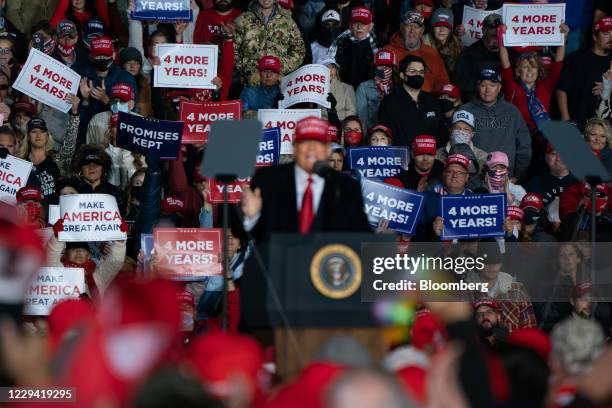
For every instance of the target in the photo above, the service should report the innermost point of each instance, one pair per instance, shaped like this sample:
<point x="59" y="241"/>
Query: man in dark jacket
<point x="484" y="53"/>
<point x="422" y="168"/>
<point x="97" y="84"/>
<point x="500" y="127"/>
<point x="408" y="110"/>
<point x="453" y="182"/>
<point x="292" y="198"/>
<point x="68" y="51"/>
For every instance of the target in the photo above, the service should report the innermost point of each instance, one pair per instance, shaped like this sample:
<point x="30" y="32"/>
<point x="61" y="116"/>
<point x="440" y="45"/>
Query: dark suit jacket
<point x="340" y="208"/>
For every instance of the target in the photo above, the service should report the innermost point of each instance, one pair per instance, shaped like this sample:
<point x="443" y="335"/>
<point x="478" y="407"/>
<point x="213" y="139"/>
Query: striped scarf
<point x="333" y="48"/>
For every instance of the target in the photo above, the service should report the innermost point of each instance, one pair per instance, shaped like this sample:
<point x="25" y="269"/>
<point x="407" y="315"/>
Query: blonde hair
<point x="25" y="149"/>
<point x="591" y="123"/>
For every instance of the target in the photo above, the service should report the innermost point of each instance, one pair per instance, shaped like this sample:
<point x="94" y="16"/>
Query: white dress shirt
<point x="301" y="182"/>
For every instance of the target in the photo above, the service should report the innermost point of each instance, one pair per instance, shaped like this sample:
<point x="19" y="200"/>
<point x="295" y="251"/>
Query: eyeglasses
<point x="415" y="72"/>
<point x="6" y="51"/>
<point x="455" y="173"/>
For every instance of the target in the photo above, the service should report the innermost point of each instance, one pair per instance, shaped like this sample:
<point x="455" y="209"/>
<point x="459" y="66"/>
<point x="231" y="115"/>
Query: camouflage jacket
<point x="255" y="38"/>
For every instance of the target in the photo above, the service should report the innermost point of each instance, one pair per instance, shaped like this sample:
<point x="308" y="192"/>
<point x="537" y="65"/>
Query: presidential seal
<point x="335" y="271"/>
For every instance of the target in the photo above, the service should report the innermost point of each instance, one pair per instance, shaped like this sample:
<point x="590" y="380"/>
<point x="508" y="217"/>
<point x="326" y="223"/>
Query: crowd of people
<point x="401" y="75"/>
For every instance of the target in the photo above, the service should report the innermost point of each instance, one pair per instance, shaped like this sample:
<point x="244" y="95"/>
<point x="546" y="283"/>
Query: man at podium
<point x="301" y="197"/>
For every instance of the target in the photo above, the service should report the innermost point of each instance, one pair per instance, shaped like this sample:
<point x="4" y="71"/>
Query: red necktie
<point x="307" y="211"/>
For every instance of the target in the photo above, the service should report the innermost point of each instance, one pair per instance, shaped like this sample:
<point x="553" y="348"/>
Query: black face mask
<point x="222" y="7"/>
<point x="414" y="81"/>
<point x="136" y="192"/>
<point x="327" y="35"/>
<point x="102" y="64"/>
<point x="446" y="105"/>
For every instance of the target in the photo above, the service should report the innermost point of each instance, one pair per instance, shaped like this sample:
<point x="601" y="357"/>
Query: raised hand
<point x="251" y="202"/>
<point x="74" y="101"/>
<point x="85" y="87"/>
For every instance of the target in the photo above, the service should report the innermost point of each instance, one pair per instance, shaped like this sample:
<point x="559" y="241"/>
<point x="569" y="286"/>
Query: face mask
<point x="120" y="107"/>
<point x="136" y="192"/>
<point x="414" y="81"/>
<point x="446" y="105"/>
<point x="222" y="7"/>
<point x="326" y="36"/>
<point x="460" y="136"/>
<point x="49" y="46"/>
<point x="66" y="50"/>
<point x="497" y="179"/>
<point x="352" y="138"/>
<point x="102" y="64"/>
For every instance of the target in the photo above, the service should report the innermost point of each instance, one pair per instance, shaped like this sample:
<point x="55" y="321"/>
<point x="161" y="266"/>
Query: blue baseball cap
<point x="489" y="74"/>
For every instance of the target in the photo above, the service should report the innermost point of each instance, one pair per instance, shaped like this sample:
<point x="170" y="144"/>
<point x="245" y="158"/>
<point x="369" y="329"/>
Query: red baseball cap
<point x="287" y="4"/>
<point x="532" y="338"/>
<point x="24" y="106"/>
<point x="122" y="91"/>
<point x="485" y="302"/>
<point x="450" y="90"/>
<point x="582" y="289"/>
<point x="361" y="14"/>
<point x="332" y="132"/>
<point x="605" y="24"/>
<point x="428" y="331"/>
<point x="457" y="159"/>
<point x="218" y="358"/>
<point x="172" y="205"/>
<point x="269" y="62"/>
<point x="67" y="315"/>
<point x="102" y="46"/>
<point x="532" y="200"/>
<point x="425" y="2"/>
<point x="312" y="128"/>
<point x="29" y="193"/>
<point x="515" y="213"/>
<point x="424" y="144"/>
<point x="382" y="128"/>
<point x="549" y="148"/>
<point x="384" y="57"/>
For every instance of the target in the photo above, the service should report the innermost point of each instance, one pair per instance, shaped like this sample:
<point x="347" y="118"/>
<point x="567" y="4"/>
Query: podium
<point x="310" y="291"/>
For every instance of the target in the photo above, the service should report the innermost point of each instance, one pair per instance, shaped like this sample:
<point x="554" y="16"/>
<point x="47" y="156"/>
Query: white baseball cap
<point x="463" y="116"/>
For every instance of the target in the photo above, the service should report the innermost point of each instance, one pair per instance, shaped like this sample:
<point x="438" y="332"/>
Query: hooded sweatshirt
<point x="501" y="128"/>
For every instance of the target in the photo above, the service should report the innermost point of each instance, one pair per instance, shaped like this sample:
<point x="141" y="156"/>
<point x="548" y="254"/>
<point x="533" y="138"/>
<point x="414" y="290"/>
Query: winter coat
<point x="255" y="38"/>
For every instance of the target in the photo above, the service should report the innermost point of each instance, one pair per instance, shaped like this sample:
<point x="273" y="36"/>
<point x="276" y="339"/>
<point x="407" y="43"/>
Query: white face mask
<point x="460" y="136"/>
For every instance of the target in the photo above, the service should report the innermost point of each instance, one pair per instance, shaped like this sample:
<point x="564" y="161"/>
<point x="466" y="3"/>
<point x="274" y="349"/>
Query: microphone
<point x="322" y="168"/>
